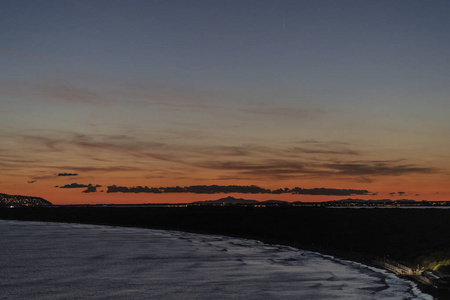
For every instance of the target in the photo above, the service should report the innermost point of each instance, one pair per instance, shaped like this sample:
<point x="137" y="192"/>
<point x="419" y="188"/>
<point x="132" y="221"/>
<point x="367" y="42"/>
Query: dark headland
<point x="418" y="239"/>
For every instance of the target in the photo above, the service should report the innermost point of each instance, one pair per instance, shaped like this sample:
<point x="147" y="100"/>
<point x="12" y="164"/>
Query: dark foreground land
<point x="411" y="236"/>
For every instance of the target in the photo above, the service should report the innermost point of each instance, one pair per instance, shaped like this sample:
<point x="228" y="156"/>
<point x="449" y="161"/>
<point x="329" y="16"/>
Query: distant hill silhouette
<point x="239" y="201"/>
<point x="227" y="200"/>
<point x="21" y="201"/>
<point x="342" y="202"/>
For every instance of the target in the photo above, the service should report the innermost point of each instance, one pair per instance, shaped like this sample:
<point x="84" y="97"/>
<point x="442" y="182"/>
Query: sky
<point x="341" y="95"/>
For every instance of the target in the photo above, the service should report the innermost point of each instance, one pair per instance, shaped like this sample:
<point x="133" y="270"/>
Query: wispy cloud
<point x="292" y="168"/>
<point x="338" y="151"/>
<point x="378" y="169"/>
<point x="310" y="159"/>
<point x="172" y="98"/>
<point x="285" y="111"/>
<point x="72" y="94"/>
<point x="166" y="102"/>
<point x="22" y="54"/>
<point x="267" y="168"/>
<point x="101" y="169"/>
<point x="324" y="147"/>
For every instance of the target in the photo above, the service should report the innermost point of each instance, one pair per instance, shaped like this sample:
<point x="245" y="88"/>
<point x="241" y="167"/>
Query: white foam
<point x="76" y="261"/>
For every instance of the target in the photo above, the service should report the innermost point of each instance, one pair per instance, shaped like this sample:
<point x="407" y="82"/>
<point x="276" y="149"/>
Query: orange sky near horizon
<point x="384" y="190"/>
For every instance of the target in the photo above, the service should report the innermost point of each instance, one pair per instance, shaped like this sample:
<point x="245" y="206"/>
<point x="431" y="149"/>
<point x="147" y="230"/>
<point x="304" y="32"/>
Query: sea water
<point x="75" y="261"/>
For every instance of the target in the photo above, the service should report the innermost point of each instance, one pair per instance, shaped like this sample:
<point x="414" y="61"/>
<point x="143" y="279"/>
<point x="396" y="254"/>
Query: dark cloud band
<point x="252" y="189"/>
<point x="89" y="188"/>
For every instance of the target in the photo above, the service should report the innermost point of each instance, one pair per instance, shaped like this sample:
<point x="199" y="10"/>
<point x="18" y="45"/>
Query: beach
<point x="356" y="235"/>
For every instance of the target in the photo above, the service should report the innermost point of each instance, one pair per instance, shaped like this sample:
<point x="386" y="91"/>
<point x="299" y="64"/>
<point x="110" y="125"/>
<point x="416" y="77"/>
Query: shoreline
<point x="230" y="223"/>
<point x="335" y="255"/>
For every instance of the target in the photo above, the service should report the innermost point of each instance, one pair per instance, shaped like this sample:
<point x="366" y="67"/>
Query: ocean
<point x="40" y="260"/>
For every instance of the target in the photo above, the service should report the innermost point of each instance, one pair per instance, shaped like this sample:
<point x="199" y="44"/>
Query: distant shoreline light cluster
<point x="22" y="201"/>
<point x="18" y="201"/>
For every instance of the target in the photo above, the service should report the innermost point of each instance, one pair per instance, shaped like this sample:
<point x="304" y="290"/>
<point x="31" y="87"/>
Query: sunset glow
<point x="277" y="94"/>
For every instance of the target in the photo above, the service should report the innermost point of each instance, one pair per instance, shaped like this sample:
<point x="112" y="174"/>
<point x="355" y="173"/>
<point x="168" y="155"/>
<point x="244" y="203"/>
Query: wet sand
<point x="358" y="235"/>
